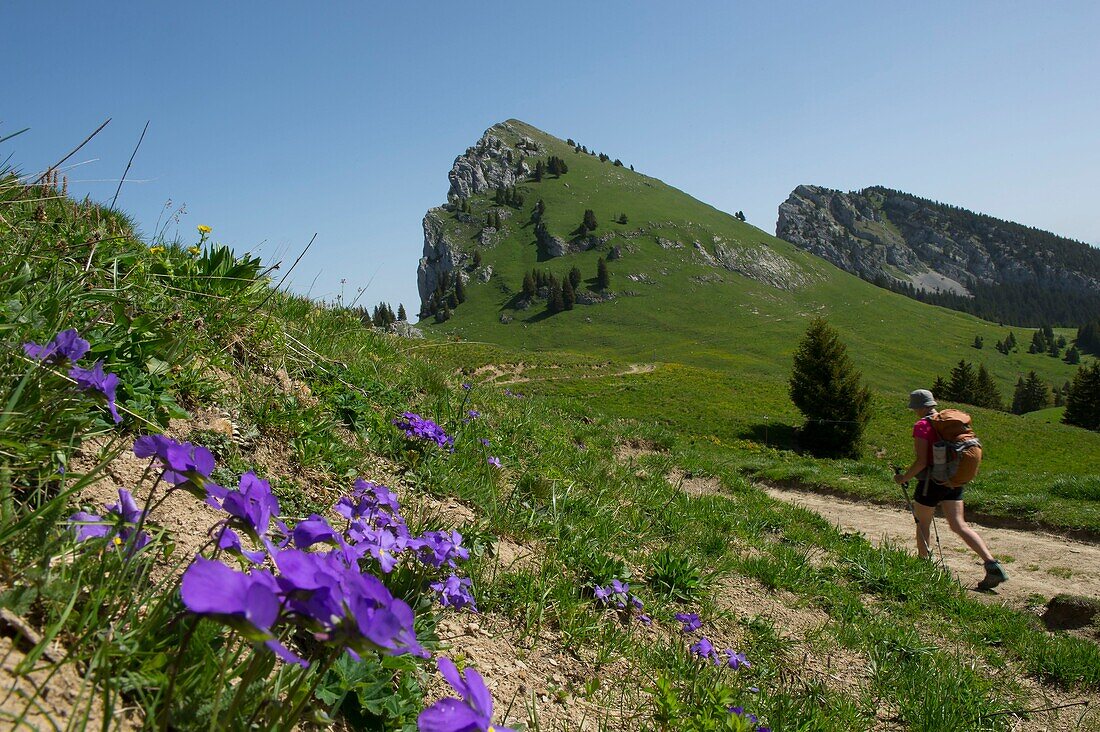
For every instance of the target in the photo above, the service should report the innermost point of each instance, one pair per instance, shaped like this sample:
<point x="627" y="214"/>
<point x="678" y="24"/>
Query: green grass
<point x="561" y="490"/>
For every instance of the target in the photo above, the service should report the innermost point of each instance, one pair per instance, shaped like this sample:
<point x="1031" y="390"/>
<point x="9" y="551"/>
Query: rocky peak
<point x="496" y="161"/>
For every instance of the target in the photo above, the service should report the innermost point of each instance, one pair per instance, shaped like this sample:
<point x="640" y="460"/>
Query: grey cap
<point x="921" y="398"/>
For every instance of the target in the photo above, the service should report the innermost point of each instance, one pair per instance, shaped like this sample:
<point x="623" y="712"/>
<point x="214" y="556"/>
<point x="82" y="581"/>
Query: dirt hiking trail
<point x="1037" y="563"/>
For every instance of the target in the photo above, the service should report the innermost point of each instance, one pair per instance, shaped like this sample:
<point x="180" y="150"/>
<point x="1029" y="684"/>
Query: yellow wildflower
<point x="156" y="250"/>
<point x="204" y="229"/>
<point x="194" y="250"/>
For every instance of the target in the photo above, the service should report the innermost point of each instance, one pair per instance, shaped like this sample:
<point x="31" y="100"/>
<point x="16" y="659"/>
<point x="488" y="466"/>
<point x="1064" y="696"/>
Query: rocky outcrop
<point x="492" y="163"/>
<point x="849" y="231"/>
<point x="893" y="238"/>
<point x="760" y="263"/>
<point x="440" y="256"/>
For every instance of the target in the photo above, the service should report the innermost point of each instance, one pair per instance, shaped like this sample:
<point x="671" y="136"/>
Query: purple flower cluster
<point x="618" y="595"/>
<point x="471" y="712"/>
<point x="325" y="592"/>
<point x="705" y="650"/>
<point x="65" y="346"/>
<point x="421" y="428"/>
<point x="69" y="346"/>
<point x="185" y="465"/>
<point x="119" y="525"/>
<point x="455" y="592"/>
<point x="689" y="621"/>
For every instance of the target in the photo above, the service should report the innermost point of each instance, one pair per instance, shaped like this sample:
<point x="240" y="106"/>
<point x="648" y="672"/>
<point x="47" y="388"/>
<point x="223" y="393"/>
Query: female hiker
<point x="930" y="493"/>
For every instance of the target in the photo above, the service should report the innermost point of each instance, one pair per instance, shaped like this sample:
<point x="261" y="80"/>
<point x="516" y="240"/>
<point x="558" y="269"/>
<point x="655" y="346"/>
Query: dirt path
<point x="505" y="375"/>
<point x="1037" y="563"/>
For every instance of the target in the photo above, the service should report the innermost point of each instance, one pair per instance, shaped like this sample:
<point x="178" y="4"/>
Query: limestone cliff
<point x="993" y="268"/>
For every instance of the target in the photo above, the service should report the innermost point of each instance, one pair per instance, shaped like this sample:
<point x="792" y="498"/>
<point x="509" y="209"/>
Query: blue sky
<point x="272" y="121"/>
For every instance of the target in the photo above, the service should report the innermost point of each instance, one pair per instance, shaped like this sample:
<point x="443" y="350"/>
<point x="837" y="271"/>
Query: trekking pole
<point x="905" y="493"/>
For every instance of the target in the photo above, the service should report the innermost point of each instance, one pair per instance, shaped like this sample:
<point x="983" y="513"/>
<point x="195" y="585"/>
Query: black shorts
<point x="935" y="493"/>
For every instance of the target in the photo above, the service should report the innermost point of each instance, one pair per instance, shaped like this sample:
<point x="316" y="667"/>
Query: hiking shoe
<point x="994" y="575"/>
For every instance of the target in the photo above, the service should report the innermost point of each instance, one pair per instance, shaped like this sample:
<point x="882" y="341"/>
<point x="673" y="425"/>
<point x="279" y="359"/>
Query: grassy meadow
<point x="122" y="614"/>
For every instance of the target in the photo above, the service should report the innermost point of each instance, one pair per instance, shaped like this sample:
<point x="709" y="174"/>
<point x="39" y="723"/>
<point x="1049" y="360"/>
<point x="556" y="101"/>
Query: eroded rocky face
<point x="496" y="161"/>
<point x="880" y="233"/>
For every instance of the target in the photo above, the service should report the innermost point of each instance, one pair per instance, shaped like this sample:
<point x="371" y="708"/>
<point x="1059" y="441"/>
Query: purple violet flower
<point x="690" y="621"/>
<point x="441" y="547"/>
<point x="247" y="602"/>
<point x="94" y="379"/>
<point x="126" y="515"/>
<point x="704" y="649"/>
<point x="344" y="606"/>
<point x="182" y="461"/>
<point x="471" y="712"/>
<point x="422" y="428"/>
<point x="455" y="592"/>
<point x="230" y="541"/>
<point x="252" y="505"/>
<point x="495" y="462"/>
<point x="66" y="345"/>
<point x="88" y="526"/>
<point x="313" y="530"/>
<point x="483" y="441"/>
<point x="736" y="660"/>
<point x="466" y="386"/>
<point x="602" y="593"/>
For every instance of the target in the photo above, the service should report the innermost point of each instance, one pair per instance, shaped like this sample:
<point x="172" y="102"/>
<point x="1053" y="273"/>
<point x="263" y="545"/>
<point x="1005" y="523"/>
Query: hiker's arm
<point x="920" y="450"/>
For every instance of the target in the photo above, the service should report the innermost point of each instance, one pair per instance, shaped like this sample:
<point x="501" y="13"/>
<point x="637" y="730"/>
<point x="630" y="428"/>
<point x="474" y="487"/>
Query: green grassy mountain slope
<point x="720" y="338"/>
<point x="673" y="304"/>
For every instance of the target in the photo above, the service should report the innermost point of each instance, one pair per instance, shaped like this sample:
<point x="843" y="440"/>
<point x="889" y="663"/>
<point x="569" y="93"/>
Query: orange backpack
<point x="958" y="452"/>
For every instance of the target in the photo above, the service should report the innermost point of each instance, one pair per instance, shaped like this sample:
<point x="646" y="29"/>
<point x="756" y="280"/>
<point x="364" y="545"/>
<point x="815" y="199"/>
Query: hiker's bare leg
<point x="923" y="515"/>
<point x="953" y="512"/>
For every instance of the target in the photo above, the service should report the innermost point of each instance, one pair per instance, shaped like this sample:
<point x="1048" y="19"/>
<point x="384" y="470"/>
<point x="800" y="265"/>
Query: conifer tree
<point x="590" y="220"/>
<point x="1032" y="393"/>
<point x="540" y="209"/>
<point x="528" y="286"/>
<point x="575" y="277"/>
<point x="623" y="219"/>
<point x="979" y="342"/>
<point x="460" y="290"/>
<point x="452" y="301"/>
<point x="939" y="388"/>
<point x="1010" y="341"/>
<point x="554" y="300"/>
<point x="477" y="258"/>
<point x="1073" y="356"/>
<point x="986" y="392"/>
<point x="828" y="390"/>
<point x="540" y="170"/>
<point x="1083" y="399"/>
<point x="962" y="386"/>
<point x="568" y="296"/>
<point x="603" y="277"/>
<point x="401" y="314"/>
<point x="1053" y="350"/>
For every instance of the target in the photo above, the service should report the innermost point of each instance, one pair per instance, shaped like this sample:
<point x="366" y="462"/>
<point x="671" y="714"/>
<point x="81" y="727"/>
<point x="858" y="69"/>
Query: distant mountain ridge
<point x="996" y="269"/>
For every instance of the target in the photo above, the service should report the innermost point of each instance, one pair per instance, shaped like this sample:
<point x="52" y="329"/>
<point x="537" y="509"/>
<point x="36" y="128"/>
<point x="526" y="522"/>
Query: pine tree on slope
<point x="828" y="390"/>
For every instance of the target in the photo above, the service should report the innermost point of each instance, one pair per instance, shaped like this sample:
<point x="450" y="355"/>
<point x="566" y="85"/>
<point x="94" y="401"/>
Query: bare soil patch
<point x="529" y="678"/>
